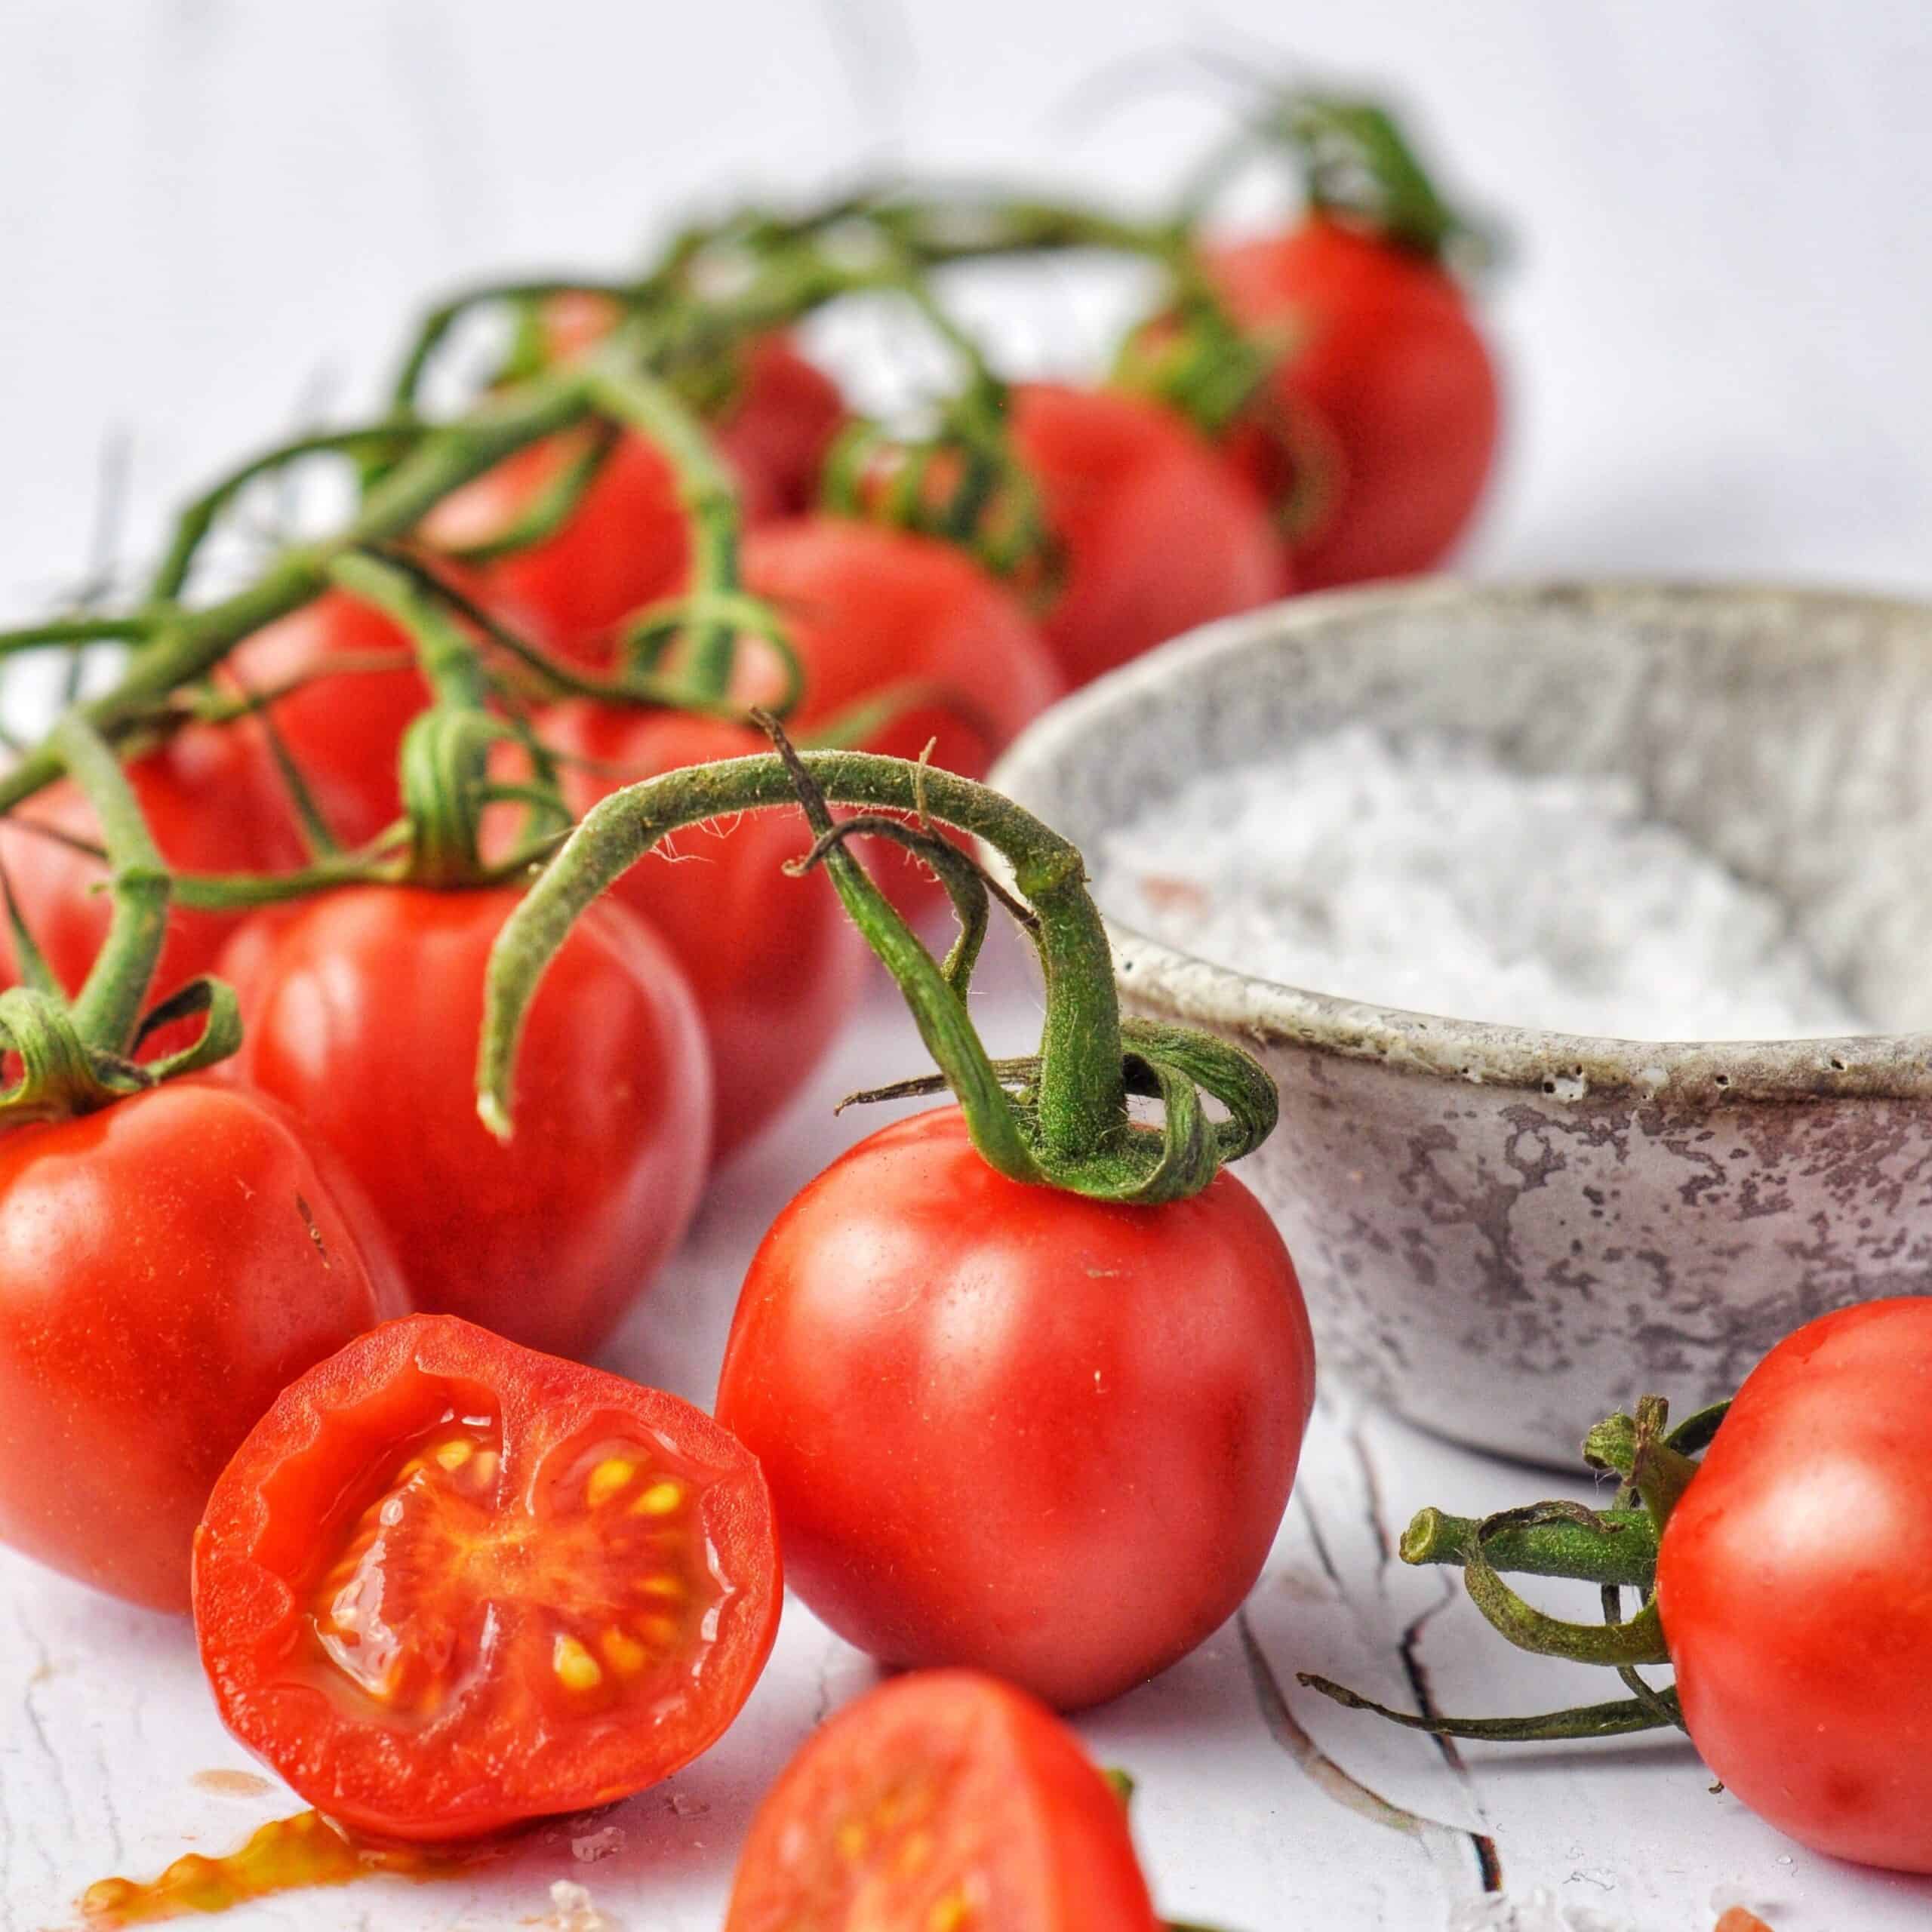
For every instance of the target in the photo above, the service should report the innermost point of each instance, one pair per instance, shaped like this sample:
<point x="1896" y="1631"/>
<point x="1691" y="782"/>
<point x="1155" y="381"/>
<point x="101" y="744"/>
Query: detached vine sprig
<point x="1068" y="1125"/>
<point x="1614" y="1549"/>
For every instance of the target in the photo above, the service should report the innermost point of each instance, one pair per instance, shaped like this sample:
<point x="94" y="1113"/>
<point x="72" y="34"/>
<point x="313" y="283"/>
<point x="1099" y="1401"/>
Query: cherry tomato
<point x="1387" y="361"/>
<point x="1792" y="1583"/>
<point x="166" y="1266"/>
<point x="948" y="1800"/>
<point x="627" y="544"/>
<point x="1013" y="1429"/>
<point x="774" y="963"/>
<point x="879" y="615"/>
<point x="870" y="609"/>
<point x="362" y="1011"/>
<point x="212" y="800"/>
<point x="1160" y="533"/>
<point x="343" y="729"/>
<point x="780" y="426"/>
<point x="448" y="1584"/>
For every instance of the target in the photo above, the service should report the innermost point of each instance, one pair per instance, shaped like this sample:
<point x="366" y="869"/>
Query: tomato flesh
<point x="450" y="1584"/>
<point x="944" y="1802"/>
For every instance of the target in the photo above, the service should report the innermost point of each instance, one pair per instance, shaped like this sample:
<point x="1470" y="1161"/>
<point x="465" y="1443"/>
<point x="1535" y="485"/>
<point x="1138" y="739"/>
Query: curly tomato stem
<point x="1071" y="1128"/>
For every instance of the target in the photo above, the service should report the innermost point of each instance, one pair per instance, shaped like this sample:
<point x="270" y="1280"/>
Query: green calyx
<point x="77" y="1055"/>
<point x="1614" y="1549"/>
<point x="1060" y="1118"/>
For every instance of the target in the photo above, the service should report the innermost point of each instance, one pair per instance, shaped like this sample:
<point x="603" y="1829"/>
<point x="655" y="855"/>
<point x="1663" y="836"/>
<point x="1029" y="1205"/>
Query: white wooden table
<point x="1254" y="1810"/>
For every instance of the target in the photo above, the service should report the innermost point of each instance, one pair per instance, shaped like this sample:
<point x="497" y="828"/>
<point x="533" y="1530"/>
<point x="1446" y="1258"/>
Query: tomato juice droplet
<point x="284" y="1855"/>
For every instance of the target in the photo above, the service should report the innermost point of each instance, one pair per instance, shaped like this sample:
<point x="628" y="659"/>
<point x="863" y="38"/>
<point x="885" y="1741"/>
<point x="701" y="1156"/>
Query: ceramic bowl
<point x="1506" y="1233"/>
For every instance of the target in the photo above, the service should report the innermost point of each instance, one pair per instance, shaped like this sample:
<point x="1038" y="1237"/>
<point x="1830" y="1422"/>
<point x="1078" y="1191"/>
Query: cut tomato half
<point x="946" y="1801"/>
<point x="449" y="1584"/>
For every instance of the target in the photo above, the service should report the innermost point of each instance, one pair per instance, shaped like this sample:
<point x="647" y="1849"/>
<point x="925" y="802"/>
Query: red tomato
<point x="344" y="730"/>
<point x="1792" y="1585"/>
<point x="943" y="1800"/>
<point x="214" y="804"/>
<point x="871" y="610"/>
<point x="780" y="425"/>
<point x="1388" y="360"/>
<point x="448" y="1584"/>
<point x="628" y="544"/>
<point x="166" y="1266"/>
<point x="1160" y="533"/>
<point x="774" y="962"/>
<point x="362" y="1011"/>
<point x="1013" y="1429"/>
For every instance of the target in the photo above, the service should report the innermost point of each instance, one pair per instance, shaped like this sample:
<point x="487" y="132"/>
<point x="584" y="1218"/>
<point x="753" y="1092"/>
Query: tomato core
<point x="598" y="1586"/>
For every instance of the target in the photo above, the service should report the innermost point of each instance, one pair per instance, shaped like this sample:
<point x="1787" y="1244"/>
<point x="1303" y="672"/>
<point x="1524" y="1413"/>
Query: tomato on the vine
<point x="1013" y="1428"/>
<point x="874" y="613"/>
<point x="1386" y="358"/>
<point x="1792" y="1584"/>
<point x="166" y="1264"/>
<point x="448" y="1584"/>
<point x="343" y="727"/>
<point x="945" y="1799"/>
<point x="774" y="962"/>
<point x="214" y="803"/>
<point x="627" y="544"/>
<point x="1160" y="534"/>
<point x="362" y="1011"/>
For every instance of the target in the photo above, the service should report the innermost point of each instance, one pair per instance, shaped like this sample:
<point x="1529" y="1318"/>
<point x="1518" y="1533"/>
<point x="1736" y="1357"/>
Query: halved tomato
<point x="448" y="1584"/>
<point x="945" y="1802"/>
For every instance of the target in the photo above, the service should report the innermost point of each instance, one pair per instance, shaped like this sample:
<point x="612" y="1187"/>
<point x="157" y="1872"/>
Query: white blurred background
<point x="213" y="212"/>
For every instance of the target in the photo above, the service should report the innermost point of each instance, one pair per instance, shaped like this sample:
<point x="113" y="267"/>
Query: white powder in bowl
<point x="1416" y="872"/>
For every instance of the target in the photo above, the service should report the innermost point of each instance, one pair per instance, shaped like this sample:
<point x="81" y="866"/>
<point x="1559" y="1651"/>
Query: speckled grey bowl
<point x="1505" y="1233"/>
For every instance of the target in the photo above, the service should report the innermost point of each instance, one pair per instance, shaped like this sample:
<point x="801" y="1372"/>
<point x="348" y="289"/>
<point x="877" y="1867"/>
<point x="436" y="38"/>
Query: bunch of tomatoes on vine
<point x="365" y="1056"/>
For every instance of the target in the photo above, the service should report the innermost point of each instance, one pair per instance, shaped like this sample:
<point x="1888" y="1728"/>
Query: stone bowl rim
<point x="1567" y="1067"/>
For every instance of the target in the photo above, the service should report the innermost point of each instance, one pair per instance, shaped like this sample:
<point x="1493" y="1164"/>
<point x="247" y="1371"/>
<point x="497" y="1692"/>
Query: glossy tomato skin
<point x="476" y="1591"/>
<point x="942" y="1789"/>
<point x="1388" y="360"/>
<point x="212" y="801"/>
<point x="774" y="961"/>
<point x="1791" y="1582"/>
<point x="361" y="1012"/>
<point x="344" y="730"/>
<point x="627" y="544"/>
<point x="870" y="608"/>
<point x="1160" y="533"/>
<point x="166" y="1266"/>
<point x="1012" y="1429"/>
